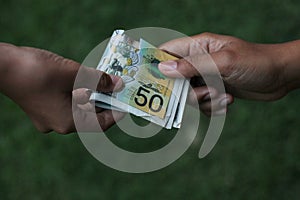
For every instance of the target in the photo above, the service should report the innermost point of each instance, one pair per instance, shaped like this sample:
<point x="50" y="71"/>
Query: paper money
<point x="147" y="92"/>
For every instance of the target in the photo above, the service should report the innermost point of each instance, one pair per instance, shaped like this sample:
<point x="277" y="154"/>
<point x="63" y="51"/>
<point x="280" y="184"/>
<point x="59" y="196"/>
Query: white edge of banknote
<point x="175" y="96"/>
<point x="181" y="107"/>
<point x="107" y="106"/>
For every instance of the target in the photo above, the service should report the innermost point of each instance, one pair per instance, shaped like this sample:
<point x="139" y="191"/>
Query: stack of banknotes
<point x="147" y="93"/>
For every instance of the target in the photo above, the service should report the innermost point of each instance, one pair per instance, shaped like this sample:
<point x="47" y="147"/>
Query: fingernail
<point x="168" y="65"/>
<point x="220" y="112"/>
<point x="224" y="102"/>
<point x="211" y="94"/>
<point x="88" y="92"/>
<point x="206" y="97"/>
<point x="118" y="82"/>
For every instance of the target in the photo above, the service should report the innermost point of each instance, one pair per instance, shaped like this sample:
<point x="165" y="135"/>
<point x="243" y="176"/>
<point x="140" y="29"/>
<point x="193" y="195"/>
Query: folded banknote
<point x="147" y="93"/>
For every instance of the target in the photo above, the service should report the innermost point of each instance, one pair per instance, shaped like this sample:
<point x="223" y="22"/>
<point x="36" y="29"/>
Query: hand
<point x="42" y="84"/>
<point x="250" y="71"/>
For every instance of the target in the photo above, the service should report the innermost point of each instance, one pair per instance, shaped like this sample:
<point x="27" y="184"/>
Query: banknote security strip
<point x="147" y="92"/>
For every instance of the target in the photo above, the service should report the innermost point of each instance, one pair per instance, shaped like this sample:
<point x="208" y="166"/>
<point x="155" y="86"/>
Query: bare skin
<point x="41" y="83"/>
<point x="264" y="72"/>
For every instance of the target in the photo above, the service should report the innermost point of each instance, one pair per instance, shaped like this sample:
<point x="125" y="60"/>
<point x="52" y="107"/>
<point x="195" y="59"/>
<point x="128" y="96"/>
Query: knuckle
<point x="68" y="62"/>
<point x="43" y="129"/>
<point x="65" y="128"/>
<point x="62" y="130"/>
<point x="206" y="34"/>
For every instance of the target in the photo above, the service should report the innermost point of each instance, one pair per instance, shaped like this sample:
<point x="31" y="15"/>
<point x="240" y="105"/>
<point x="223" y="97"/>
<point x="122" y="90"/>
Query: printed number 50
<point x="144" y="99"/>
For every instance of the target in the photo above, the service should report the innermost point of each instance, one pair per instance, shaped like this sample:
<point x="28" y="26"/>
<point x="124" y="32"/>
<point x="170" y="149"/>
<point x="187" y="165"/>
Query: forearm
<point x="289" y="57"/>
<point x="6" y="63"/>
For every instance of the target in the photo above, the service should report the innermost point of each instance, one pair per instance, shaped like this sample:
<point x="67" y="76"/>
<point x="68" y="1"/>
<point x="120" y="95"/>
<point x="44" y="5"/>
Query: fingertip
<point x="206" y="113"/>
<point x="81" y="96"/>
<point x="202" y="94"/>
<point x="172" y="68"/>
<point x="227" y="100"/>
<point x="166" y="66"/>
<point x="118" y="115"/>
<point x="88" y="92"/>
<point x="220" y="112"/>
<point x="212" y="93"/>
<point x="230" y="99"/>
<point x="117" y="82"/>
<point x="108" y="118"/>
<point x="109" y="83"/>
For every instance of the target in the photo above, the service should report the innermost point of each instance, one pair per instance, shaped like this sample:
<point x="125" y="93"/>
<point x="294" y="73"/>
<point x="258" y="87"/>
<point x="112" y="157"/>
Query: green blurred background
<point x="257" y="156"/>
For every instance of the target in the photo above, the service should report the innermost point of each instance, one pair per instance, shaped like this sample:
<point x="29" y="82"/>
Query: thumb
<point x="109" y="83"/>
<point x="201" y="64"/>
